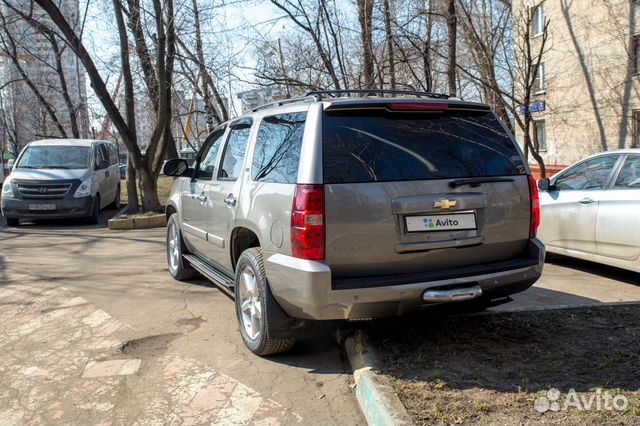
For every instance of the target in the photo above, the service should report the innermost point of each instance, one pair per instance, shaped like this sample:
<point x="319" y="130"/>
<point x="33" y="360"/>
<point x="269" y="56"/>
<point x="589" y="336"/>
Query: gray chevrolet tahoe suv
<point x="332" y="207"/>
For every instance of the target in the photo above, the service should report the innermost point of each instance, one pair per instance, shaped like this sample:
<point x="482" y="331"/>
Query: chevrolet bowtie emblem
<point x="444" y="204"/>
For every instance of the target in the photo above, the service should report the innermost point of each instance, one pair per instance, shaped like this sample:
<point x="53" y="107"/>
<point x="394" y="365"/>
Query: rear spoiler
<point x="393" y="105"/>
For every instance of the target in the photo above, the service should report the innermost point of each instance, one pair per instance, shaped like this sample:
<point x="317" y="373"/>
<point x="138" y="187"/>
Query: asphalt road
<point x="120" y="279"/>
<point x="88" y="311"/>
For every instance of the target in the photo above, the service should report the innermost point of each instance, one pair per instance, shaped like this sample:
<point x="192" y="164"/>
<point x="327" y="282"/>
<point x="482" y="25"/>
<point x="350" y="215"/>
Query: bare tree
<point x="521" y="71"/>
<point x="365" y="18"/>
<point x="147" y="167"/>
<point x="390" y="43"/>
<point x="452" y="29"/>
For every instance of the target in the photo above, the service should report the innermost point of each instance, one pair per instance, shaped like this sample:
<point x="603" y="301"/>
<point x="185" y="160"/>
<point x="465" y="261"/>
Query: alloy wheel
<point x="250" y="303"/>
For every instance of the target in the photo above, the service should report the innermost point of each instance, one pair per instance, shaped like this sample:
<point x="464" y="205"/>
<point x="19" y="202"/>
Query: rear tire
<point x="178" y="267"/>
<point x="116" y="201"/>
<point x="13" y="221"/>
<point x="95" y="211"/>
<point x="253" y="299"/>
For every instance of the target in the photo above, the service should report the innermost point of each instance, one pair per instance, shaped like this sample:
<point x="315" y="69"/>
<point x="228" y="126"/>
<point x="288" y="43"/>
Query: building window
<point x="636" y="54"/>
<point x="540" y="135"/>
<point x="540" y="83"/>
<point x="537" y="20"/>
<point x="635" y="143"/>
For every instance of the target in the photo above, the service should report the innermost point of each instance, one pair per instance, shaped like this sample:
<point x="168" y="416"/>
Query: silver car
<point x="328" y="207"/>
<point x="591" y="210"/>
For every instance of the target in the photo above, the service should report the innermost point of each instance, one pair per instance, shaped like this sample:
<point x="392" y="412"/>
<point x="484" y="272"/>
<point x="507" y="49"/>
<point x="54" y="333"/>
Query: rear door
<point x="570" y="209"/>
<point x="225" y="191"/>
<point x="418" y="191"/>
<point x="618" y="221"/>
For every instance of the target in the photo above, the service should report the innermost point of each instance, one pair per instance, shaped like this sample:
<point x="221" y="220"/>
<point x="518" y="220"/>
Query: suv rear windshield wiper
<point x="477" y="181"/>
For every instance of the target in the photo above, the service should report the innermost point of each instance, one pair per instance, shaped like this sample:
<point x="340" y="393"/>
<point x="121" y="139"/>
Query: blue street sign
<point x="536" y="106"/>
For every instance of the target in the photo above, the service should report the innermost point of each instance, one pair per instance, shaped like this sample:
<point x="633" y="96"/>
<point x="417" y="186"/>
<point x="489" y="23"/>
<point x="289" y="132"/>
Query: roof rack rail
<point x="283" y="102"/>
<point x="334" y="93"/>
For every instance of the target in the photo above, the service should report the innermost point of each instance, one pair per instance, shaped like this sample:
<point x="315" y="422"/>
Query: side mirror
<point x="175" y="167"/>
<point x="544" y="184"/>
<point x="102" y="164"/>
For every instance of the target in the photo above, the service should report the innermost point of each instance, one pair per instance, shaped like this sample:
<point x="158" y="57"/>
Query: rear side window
<point x="384" y="147"/>
<point x="629" y="177"/>
<point x="277" y="151"/>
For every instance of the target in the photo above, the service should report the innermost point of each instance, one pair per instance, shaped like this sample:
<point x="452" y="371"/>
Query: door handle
<point x="202" y="198"/>
<point x="230" y="200"/>
<point x="106" y="173"/>
<point x="586" y="200"/>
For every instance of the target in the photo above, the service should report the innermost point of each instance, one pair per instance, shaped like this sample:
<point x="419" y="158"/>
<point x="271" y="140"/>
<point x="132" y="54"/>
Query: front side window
<point x="590" y="174"/>
<point x="629" y="177"/>
<point x="102" y="155"/>
<point x="277" y="151"/>
<point x="234" y="153"/>
<point x="537" y="21"/>
<point x="209" y="155"/>
<point x="55" y="157"/>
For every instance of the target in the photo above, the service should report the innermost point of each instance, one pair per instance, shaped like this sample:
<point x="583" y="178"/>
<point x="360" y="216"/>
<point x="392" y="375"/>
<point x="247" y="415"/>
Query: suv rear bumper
<point x="304" y="288"/>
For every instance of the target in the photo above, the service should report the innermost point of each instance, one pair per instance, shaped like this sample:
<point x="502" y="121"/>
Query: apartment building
<point x="587" y="97"/>
<point x="25" y="116"/>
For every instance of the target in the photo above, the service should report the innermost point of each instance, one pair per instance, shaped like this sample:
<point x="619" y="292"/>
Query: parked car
<point x="62" y="178"/>
<point x="330" y="207"/>
<point x="591" y="209"/>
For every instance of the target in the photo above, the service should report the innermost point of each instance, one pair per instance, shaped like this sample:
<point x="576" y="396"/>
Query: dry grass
<point x="164" y="189"/>
<point x="490" y="369"/>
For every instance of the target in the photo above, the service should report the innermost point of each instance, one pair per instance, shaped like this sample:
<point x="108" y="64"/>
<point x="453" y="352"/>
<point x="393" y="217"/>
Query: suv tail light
<point x="535" y="207"/>
<point x="307" y="222"/>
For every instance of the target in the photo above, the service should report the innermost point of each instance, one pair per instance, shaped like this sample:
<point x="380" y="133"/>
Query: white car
<point x="591" y="210"/>
<point x="62" y="178"/>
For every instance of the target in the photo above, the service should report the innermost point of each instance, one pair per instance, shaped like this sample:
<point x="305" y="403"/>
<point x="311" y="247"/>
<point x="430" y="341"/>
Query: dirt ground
<point x="493" y="368"/>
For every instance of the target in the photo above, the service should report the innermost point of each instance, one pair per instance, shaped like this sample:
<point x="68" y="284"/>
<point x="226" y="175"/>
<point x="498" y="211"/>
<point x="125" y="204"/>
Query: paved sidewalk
<point x="93" y="330"/>
<point x="64" y="361"/>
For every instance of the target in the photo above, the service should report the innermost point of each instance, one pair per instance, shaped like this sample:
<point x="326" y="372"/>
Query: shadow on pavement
<point x="606" y="271"/>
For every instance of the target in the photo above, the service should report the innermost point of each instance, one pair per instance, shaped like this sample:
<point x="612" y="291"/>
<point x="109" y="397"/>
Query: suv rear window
<point x="384" y="147"/>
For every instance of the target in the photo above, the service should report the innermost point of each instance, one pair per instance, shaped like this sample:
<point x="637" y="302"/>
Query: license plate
<point x="42" y="206"/>
<point x="441" y="222"/>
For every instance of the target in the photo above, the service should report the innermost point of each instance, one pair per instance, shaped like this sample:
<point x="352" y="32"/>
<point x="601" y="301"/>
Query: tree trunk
<point x="128" y="101"/>
<point x="390" y="56"/>
<point x="365" y="17"/>
<point x="452" y="29"/>
<point x="212" y="116"/>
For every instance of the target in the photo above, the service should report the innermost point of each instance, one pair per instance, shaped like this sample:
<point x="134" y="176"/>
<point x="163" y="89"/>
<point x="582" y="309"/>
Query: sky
<point x="236" y="22"/>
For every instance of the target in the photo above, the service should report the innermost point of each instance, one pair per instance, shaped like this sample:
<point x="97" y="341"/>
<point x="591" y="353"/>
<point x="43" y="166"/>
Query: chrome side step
<point x="452" y="295"/>
<point x="220" y="279"/>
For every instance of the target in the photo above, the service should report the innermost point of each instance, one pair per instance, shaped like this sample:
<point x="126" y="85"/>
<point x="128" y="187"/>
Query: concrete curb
<point x="377" y="399"/>
<point x="119" y="223"/>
